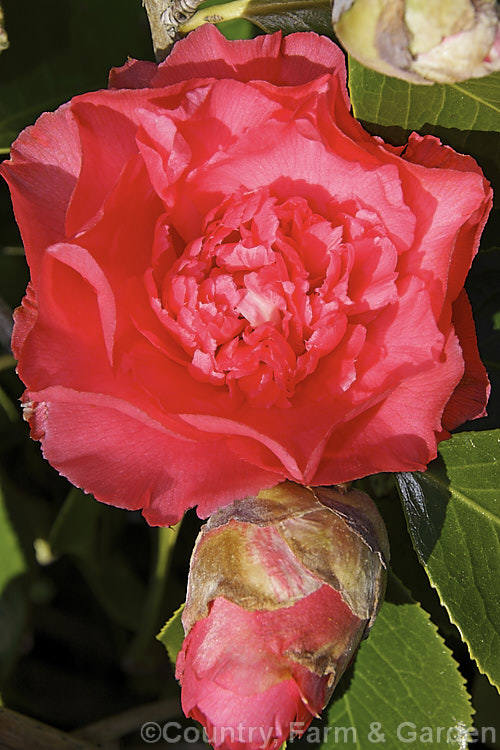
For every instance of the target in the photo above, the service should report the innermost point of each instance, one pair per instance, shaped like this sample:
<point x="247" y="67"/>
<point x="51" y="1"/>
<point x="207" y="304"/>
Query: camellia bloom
<point x="282" y="588"/>
<point x="233" y="284"/>
<point x="422" y="41"/>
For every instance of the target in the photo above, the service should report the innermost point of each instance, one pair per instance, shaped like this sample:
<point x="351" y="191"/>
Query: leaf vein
<point x="432" y="478"/>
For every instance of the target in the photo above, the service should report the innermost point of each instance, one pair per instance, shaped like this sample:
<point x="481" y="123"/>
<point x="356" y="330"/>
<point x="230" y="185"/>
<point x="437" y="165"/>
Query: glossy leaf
<point x="269" y="15"/>
<point x="464" y="115"/>
<point x="403" y="686"/>
<point x="453" y="513"/>
<point x="290" y="16"/>
<point x="470" y="105"/>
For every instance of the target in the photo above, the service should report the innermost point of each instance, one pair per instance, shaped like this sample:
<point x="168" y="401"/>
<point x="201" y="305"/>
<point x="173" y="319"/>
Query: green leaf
<point x="59" y="49"/>
<point x="269" y="15"/>
<point x="471" y="105"/>
<point x="12" y="563"/>
<point x="165" y="538"/>
<point x="88" y="531"/>
<point x="289" y="16"/>
<point x="76" y="527"/>
<point x="453" y="514"/>
<point x="403" y="681"/>
<point x="12" y="591"/>
<point x="172" y="635"/>
<point x="464" y="115"/>
<point x="236" y="28"/>
<point x="405" y="563"/>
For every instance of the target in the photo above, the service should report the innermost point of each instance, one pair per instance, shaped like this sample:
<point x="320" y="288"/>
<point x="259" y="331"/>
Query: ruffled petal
<point x="289" y="61"/>
<point x="135" y="74"/>
<point x="400" y="433"/>
<point x="126" y="458"/>
<point x="469" y="399"/>
<point x="42" y="174"/>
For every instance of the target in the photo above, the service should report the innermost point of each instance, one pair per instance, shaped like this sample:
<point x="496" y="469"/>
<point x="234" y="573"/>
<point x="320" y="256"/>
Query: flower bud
<point x="421" y="41"/>
<point x="281" y="590"/>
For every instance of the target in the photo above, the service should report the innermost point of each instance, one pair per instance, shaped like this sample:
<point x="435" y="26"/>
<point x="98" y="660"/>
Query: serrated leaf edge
<point x="166" y="627"/>
<point x="435" y="586"/>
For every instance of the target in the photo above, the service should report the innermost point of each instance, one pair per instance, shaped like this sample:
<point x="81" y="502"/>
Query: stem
<point x="237" y="9"/>
<point x="165" y="18"/>
<point x="6" y="362"/>
<point x="216" y="14"/>
<point x="161" y="40"/>
<point x="8" y="407"/>
<point x="165" y="542"/>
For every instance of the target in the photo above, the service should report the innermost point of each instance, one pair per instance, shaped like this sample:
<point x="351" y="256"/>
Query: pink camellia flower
<point x="282" y="588"/>
<point x="233" y="284"/>
<point x="237" y="680"/>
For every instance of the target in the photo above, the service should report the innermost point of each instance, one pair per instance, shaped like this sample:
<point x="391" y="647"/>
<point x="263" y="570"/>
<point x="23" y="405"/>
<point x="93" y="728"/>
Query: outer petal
<point x="292" y="61"/>
<point x="400" y="433"/>
<point x="107" y="124"/>
<point x="469" y="398"/>
<point x="58" y="334"/>
<point x="135" y="74"/>
<point x="127" y="459"/>
<point x="81" y="261"/>
<point x="452" y="200"/>
<point x="269" y="714"/>
<point x="24" y="319"/>
<point x="225" y="684"/>
<point x="107" y="139"/>
<point x="42" y="174"/>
